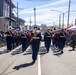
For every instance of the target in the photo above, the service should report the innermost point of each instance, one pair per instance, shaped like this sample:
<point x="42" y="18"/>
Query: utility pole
<point x="17" y="14"/>
<point x="30" y="23"/>
<point x="59" y="21"/>
<point x="10" y="14"/>
<point x="35" y="16"/>
<point x="68" y="12"/>
<point x="63" y="21"/>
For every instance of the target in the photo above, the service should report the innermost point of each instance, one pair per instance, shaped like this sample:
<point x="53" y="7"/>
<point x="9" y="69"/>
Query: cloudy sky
<point x="43" y="10"/>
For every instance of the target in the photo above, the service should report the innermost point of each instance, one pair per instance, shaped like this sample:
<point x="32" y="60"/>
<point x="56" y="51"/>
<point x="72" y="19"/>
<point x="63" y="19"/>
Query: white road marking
<point x="39" y="65"/>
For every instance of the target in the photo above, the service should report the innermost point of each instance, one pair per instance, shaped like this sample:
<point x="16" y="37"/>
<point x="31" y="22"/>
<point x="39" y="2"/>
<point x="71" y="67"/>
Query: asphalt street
<point x="52" y="63"/>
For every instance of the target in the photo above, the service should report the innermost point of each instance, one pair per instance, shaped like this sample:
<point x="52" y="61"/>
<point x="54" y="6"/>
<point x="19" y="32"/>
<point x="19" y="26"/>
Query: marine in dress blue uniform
<point x="47" y="39"/>
<point x="62" y="40"/>
<point x="35" y="44"/>
<point x="9" y="40"/>
<point x="24" y="41"/>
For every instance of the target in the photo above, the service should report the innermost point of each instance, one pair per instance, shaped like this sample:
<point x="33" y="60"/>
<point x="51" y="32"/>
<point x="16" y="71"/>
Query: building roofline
<point x="11" y="18"/>
<point x="20" y="19"/>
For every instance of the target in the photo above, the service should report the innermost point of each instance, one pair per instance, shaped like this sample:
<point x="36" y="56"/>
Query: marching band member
<point x="73" y="40"/>
<point x="24" y="41"/>
<point x="62" y="40"/>
<point x="9" y="40"/>
<point x="47" y="39"/>
<point x="35" y="44"/>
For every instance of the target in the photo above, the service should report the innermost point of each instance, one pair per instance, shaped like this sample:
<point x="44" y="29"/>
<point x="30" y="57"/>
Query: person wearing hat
<point x="24" y="40"/>
<point x="8" y="40"/>
<point x="61" y="41"/>
<point x="73" y="40"/>
<point x="47" y="39"/>
<point x="35" y="43"/>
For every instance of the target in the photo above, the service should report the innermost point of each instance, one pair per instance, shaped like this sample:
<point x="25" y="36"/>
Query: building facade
<point x="5" y="14"/>
<point x="19" y="22"/>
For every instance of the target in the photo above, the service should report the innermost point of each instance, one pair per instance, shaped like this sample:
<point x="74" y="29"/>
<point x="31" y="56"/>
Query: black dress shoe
<point x="61" y="52"/>
<point x="33" y="61"/>
<point x="73" y="49"/>
<point x="22" y="50"/>
<point x="47" y="51"/>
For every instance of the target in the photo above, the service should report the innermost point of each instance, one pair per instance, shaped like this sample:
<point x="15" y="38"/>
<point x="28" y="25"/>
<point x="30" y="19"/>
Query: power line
<point x="37" y="0"/>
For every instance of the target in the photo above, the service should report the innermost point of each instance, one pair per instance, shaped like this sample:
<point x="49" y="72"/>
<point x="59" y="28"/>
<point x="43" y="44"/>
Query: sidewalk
<point x="3" y="50"/>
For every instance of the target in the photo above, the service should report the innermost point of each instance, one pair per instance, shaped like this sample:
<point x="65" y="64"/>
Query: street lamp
<point x="30" y="22"/>
<point x="35" y="16"/>
<point x="63" y="13"/>
<point x="59" y="21"/>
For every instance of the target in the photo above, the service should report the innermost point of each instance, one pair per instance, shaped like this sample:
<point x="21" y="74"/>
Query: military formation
<point x="56" y="39"/>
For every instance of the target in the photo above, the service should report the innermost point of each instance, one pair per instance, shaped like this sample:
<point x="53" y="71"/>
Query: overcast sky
<point x="43" y="10"/>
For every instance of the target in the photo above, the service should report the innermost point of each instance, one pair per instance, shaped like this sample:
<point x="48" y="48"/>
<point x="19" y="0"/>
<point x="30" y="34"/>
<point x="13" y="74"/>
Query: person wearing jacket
<point x="35" y="44"/>
<point x="24" y="41"/>
<point x="62" y="40"/>
<point x="73" y="40"/>
<point x="8" y="41"/>
<point x="47" y="39"/>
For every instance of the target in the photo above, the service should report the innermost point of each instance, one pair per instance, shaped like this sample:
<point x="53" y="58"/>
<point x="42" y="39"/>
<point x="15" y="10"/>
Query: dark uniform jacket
<point x="47" y="36"/>
<point x="62" y="36"/>
<point x="9" y="36"/>
<point x="36" y="39"/>
<point x="23" y="38"/>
